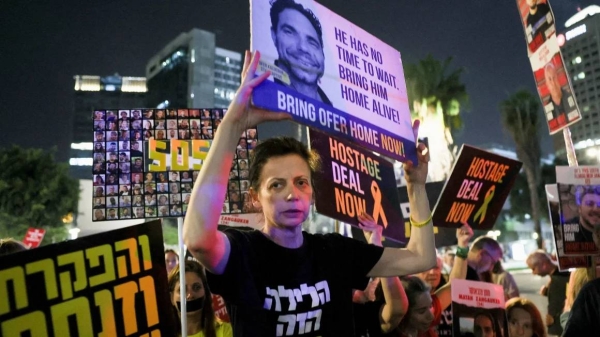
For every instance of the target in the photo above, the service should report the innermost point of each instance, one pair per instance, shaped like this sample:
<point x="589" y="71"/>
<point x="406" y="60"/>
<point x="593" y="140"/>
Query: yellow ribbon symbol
<point x="377" y="209"/>
<point x="489" y="195"/>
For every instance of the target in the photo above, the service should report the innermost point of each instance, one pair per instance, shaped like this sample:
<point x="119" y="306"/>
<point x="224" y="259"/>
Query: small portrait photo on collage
<point x="242" y="164"/>
<point x="99" y="191"/>
<point x="111" y="126"/>
<point x="207" y="133"/>
<point x="112" y="177"/>
<point x="160" y="135"/>
<point x="138" y="200"/>
<point x="242" y="154"/>
<point x="136" y="135"/>
<point x="160" y="124"/>
<point x="98" y="167"/>
<point x="182" y="113"/>
<point x="123" y="115"/>
<point x="150" y="188"/>
<point x="99" y="126"/>
<point x="225" y="209"/>
<point x="124" y="168"/>
<point x="195" y="124"/>
<point x="244" y="185"/>
<point x="137" y="178"/>
<point x="176" y="210"/>
<point x="150" y="200"/>
<point x="234" y="196"/>
<point x="172" y="134"/>
<point x="194" y="113"/>
<point x="251" y="134"/>
<point x="235" y="207"/>
<point x="162" y="188"/>
<point x="171" y="113"/>
<point x="251" y="144"/>
<point x="111" y="116"/>
<point x="206" y="124"/>
<point x="163" y="210"/>
<point x="112" y="214"/>
<point x="195" y="134"/>
<point x="136" y="148"/>
<point x="174" y="176"/>
<point x="234" y="185"/>
<point x="99" y="136"/>
<point x="112" y="168"/>
<point x="137" y="166"/>
<point x="125" y="213"/>
<point x="160" y="114"/>
<point x="124" y="145"/>
<point x="136" y="124"/>
<point x="99" y="180"/>
<point x="112" y="190"/>
<point x="171" y="124"/>
<point x="99" y="215"/>
<point x="218" y="113"/>
<point x="99" y="158"/>
<point x="186" y="187"/>
<point x="125" y="201"/>
<point x="124" y="190"/>
<point x="148" y="113"/>
<point x="136" y="114"/>
<point x="183" y="124"/>
<point x="137" y="189"/>
<point x="244" y="174"/>
<point x="175" y="199"/>
<point x="205" y="114"/>
<point x="112" y="146"/>
<point x="124" y="125"/>
<point x="217" y="123"/>
<point x="148" y="134"/>
<point x="162" y="177"/>
<point x="233" y="174"/>
<point x="195" y="175"/>
<point x="124" y="178"/>
<point x="150" y="211"/>
<point x="186" y="198"/>
<point x="112" y="201"/>
<point x="184" y="134"/>
<point x="163" y="200"/>
<point x="242" y="144"/>
<point x="148" y="124"/>
<point x="124" y="157"/>
<point x="124" y="135"/>
<point x="99" y="202"/>
<point x="98" y="115"/>
<point x="186" y="177"/>
<point x="174" y="188"/>
<point x="138" y="212"/>
<point x="148" y="177"/>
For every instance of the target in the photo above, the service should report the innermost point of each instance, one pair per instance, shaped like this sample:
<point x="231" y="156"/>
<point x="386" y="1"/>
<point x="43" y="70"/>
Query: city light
<point x="82" y="146"/>
<point x="81" y="161"/>
<point x="575" y="32"/>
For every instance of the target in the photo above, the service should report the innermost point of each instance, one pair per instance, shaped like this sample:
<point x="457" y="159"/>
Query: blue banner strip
<point x="308" y="111"/>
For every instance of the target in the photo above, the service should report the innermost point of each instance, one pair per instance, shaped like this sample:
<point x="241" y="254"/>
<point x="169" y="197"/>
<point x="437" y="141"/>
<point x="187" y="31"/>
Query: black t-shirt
<point x="557" y="292"/>
<point x="584" y="319"/>
<point x="563" y="108"/>
<point x="366" y="319"/>
<point x="276" y="291"/>
<point x="538" y="20"/>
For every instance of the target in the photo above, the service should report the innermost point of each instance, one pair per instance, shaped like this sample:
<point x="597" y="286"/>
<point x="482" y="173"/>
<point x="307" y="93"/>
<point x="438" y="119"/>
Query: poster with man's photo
<point x="579" y="196"/>
<point x="564" y="262"/>
<point x="551" y="77"/>
<point x="478" y="309"/>
<point x="146" y="162"/>
<point x="331" y="75"/>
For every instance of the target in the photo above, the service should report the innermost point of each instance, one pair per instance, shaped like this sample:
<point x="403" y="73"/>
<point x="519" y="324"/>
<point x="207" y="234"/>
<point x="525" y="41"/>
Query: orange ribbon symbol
<point x="377" y="209"/>
<point x="489" y="195"/>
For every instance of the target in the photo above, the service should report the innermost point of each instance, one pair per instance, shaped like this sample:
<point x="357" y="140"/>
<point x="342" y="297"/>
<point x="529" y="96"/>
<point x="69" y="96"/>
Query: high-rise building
<point x="581" y="53"/>
<point x="192" y="72"/>
<point x="94" y="93"/>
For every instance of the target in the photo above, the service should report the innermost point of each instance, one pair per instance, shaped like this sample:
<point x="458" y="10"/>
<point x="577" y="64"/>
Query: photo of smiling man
<point x="298" y="38"/>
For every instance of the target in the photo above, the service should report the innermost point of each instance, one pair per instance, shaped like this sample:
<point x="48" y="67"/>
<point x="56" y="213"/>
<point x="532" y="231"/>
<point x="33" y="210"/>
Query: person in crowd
<point x="542" y="265"/>
<point x="10" y="246"/>
<point x="434" y="278"/>
<point x="524" y="318"/>
<point x="171" y="259"/>
<point x="424" y="308"/>
<point x="283" y="256"/>
<point x="201" y="319"/>
<point x="378" y="315"/>
<point x="484" y="253"/>
<point x="505" y="279"/>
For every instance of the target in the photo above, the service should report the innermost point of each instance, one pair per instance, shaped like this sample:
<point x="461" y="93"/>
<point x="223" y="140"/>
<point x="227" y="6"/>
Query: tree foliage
<point x="35" y="191"/>
<point x="522" y="119"/>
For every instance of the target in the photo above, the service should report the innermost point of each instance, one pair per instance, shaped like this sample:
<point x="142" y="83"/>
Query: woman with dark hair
<point x="270" y="275"/>
<point x="524" y="318"/>
<point x="201" y="319"/>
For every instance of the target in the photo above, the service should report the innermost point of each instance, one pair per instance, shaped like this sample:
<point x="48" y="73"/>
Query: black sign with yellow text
<point x="109" y="284"/>
<point x="353" y="181"/>
<point x="476" y="190"/>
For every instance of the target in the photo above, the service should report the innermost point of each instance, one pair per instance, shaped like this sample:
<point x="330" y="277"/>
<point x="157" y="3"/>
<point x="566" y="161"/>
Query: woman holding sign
<point x="280" y="280"/>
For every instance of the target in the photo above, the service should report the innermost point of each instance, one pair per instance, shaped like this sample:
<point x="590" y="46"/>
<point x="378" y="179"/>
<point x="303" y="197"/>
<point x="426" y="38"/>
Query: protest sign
<point x="551" y="78"/>
<point x="353" y="181"/>
<point x="476" y="190"/>
<point x="33" y="237"/>
<point x="146" y="162"/>
<point x="478" y="309"/>
<point x="579" y="196"/>
<point x="109" y="284"/>
<point x="564" y="262"/>
<point x="331" y="75"/>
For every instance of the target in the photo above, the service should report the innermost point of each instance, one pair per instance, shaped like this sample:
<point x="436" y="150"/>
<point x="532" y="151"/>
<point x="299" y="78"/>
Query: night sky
<point x="43" y="44"/>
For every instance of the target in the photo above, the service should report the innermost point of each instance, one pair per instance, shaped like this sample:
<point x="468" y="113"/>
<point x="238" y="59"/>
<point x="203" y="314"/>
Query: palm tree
<point x="436" y="94"/>
<point x="522" y="119"/>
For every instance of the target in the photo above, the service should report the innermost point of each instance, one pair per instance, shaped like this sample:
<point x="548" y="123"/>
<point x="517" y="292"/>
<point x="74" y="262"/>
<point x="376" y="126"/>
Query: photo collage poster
<point x="129" y="146"/>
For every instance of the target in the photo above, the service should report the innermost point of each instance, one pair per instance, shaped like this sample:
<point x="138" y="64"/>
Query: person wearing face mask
<point x="201" y="319"/>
